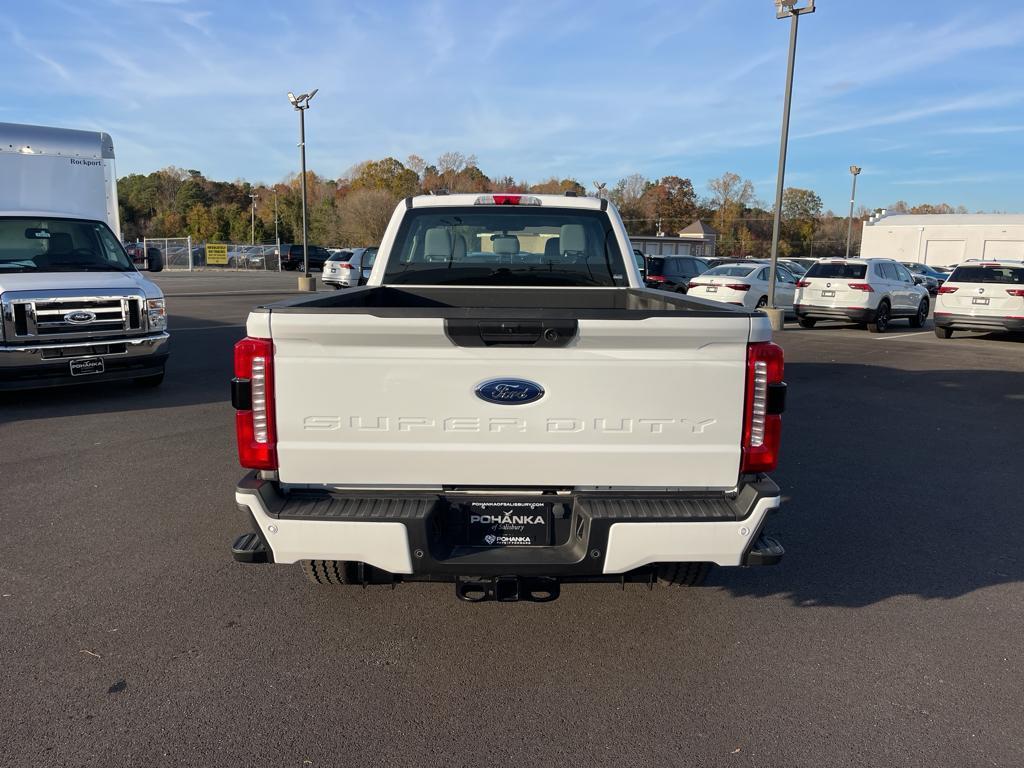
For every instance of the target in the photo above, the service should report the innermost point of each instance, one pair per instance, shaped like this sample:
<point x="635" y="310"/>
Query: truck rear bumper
<point x="601" y="534"/>
<point x="47" y="365"/>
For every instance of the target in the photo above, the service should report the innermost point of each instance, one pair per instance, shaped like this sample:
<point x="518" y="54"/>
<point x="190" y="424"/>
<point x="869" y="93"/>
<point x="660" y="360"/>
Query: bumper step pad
<point x="765" y="551"/>
<point x="248" y="548"/>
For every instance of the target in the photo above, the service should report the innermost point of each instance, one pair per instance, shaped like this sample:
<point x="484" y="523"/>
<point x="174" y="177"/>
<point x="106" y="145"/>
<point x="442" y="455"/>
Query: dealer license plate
<point x="712" y="289"/>
<point x="508" y="523"/>
<point x="828" y="294"/>
<point x="981" y="299"/>
<point x="86" y="366"/>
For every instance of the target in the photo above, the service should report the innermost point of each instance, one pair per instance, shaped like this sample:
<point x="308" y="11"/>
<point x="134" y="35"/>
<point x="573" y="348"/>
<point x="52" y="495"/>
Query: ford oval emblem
<point x="509" y="391"/>
<point x="79" y="317"/>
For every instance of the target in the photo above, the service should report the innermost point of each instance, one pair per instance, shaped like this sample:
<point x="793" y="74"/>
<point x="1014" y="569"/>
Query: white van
<point x="74" y="307"/>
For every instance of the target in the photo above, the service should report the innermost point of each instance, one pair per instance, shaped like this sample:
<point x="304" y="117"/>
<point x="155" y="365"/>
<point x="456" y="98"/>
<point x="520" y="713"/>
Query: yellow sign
<point x="217" y="254"/>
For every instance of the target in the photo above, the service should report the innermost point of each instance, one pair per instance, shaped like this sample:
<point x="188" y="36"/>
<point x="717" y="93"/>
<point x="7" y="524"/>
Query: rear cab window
<point x="507" y="246"/>
<point x="837" y="270"/>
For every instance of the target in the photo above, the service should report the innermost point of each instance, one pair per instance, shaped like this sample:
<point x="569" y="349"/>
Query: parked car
<point x="745" y="284"/>
<point x="641" y="261"/>
<point x="481" y="383"/>
<point x="344" y="268"/>
<point x="985" y="296"/>
<point x="868" y="291"/>
<point x="673" y="273"/>
<point x="795" y="267"/>
<point x="931" y="278"/>
<point x="291" y="256"/>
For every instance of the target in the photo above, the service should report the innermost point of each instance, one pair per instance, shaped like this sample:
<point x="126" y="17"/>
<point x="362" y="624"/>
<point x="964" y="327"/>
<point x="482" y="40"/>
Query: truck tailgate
<point x="370" y="400"/>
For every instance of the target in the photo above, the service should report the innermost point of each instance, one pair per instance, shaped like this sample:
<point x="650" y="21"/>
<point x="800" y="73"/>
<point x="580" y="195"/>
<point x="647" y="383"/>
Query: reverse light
<point x="507" y="200"/>
<point x="156" y="314"/>
<point x="947" y="289"/>
<point x="866" y="287"/>
<point x="252" y="394"/>
<point x="764" y="401"/>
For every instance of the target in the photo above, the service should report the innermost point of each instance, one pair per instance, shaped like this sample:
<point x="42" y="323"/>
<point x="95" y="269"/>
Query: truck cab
<point x="73" y="306"/>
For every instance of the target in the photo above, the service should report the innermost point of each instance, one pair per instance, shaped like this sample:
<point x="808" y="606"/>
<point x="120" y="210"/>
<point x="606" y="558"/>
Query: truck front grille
<point x="28" y="318"/>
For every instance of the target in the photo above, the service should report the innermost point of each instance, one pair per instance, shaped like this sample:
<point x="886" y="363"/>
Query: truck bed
<point x="591" y="303"/>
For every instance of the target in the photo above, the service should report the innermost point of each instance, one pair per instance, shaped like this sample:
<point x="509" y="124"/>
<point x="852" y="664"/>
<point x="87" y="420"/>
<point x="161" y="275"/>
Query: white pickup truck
<point x="506" y="407"/>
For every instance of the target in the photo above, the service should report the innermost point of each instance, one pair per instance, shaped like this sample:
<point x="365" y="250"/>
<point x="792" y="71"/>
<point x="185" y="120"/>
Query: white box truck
<point x="506" y="407"/>
<point x="74" y="307"/>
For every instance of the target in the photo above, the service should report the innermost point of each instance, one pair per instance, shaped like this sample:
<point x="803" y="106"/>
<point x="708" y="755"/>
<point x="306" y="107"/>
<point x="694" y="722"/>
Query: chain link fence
<point x="182" y="253"/>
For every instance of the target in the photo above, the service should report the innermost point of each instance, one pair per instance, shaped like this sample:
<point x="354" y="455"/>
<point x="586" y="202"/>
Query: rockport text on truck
<point x="504" y="406"/>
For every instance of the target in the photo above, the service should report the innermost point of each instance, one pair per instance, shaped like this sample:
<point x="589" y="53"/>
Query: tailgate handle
<point x="510" y="333"/>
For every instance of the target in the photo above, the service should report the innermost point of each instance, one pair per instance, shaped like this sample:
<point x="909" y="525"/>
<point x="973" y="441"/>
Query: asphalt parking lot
<point x="890" y="635"/>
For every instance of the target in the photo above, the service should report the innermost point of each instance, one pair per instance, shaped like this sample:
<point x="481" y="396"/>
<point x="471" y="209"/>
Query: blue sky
<point x="926" y="95"/>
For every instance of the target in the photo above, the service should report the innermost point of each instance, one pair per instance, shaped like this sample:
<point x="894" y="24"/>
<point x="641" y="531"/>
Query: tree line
<point x="354" y="209"/>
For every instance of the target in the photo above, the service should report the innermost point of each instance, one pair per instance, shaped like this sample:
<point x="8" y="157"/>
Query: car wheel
<point x="943" y="333"/>
<point x="683" y="574"/>
<point x="882" y="317"/>
<point x="762" y="302"/>
<point x="807" y="322"/>
<point x="922" y="314"/>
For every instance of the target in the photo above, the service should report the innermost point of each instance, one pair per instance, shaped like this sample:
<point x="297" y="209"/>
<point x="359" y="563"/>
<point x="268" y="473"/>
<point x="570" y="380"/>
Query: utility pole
<point x="252" y="225"/>
<point x="783" y="9"/>
<point x="301" y="104"/>
<point x="854" y="171"/>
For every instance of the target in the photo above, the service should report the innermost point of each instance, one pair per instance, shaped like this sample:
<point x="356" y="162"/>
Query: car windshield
<point x="34" y="244"/>
<point x="731" y="270"/>
<point x="839" y="269"/>
<point x="1004" y="275"/>
<point x="506" y="245"/>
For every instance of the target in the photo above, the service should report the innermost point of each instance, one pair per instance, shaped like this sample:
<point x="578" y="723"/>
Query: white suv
<point x="981" y="296"/>
<point x="348" y="267"/>
<point x="869" y="291"/>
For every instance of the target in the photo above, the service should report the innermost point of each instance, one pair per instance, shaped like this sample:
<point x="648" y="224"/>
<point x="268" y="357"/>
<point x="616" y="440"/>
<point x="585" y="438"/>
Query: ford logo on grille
<point x="509" y="391"/>
<point x="79" y="317"/>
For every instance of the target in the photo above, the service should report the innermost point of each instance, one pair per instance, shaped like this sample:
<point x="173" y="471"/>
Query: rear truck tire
<point x="335" y="572"/>
<point x="807" y="322"/>
<point x="762" y="303"/>
<point x="149" y="382"/>
<point x="683" y="574"/>
<point x="882" y="316"/>
<point x="943" y="333"/>
<point x="922" y="314"/>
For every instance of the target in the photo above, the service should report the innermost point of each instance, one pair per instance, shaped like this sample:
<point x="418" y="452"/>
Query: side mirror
<point x="154" y="260"/>
<point x="918" y="280"/>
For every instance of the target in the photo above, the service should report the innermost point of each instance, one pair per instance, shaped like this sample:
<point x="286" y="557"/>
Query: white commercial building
<point x="944" y="239"/>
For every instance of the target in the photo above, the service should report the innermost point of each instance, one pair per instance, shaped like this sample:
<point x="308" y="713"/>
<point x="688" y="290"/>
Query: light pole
<point x="252" y="225"/>
<point x="277" y="236"/>
<point x="854" y="171"/>
<point x="301" y="104"/>
<point x="783" y="9"/>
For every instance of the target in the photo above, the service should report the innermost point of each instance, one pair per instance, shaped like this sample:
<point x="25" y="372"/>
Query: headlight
<point x="156" y="311"/>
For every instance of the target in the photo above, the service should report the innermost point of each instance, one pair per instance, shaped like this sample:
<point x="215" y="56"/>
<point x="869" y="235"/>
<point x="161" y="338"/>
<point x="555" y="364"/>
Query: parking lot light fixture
<point x="301" y="104"/>
<point x="854" y="171"/>
<point x="792" y="10"/>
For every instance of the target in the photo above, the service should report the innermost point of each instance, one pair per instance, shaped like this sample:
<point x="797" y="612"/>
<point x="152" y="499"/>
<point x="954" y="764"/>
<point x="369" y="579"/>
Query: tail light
<point x="1015" y="291"/>
<point x="803" y="283"/>
<point x="738" y="286"/>
<point x="252" y="394"/>
<point x="861" y="287"/>
<point x="947" y="288"/>
<point x="507" y="200"/>
<point x="765" y="401"/>
<point x="694" y="284"/>
<point x="345" y="265"/>
<point x="655" y="278"/>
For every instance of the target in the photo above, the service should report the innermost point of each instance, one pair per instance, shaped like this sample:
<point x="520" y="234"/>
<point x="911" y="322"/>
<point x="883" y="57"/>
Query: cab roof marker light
<point x="507" y="200"/>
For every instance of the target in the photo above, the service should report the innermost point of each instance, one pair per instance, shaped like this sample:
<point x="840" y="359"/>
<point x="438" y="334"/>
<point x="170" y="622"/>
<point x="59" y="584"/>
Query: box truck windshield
<point x="33" y="244"/>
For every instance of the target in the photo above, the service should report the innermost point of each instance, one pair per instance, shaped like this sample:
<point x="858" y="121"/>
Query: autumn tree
<point x="365" y="214"/>
<point x="801" y="209"/>
<point x="387" y="175"/>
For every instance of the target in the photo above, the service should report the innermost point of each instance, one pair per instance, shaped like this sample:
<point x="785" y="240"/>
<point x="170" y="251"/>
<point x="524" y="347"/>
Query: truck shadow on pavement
<point x="198" y="372"/>
<point x="895" y="483"/>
